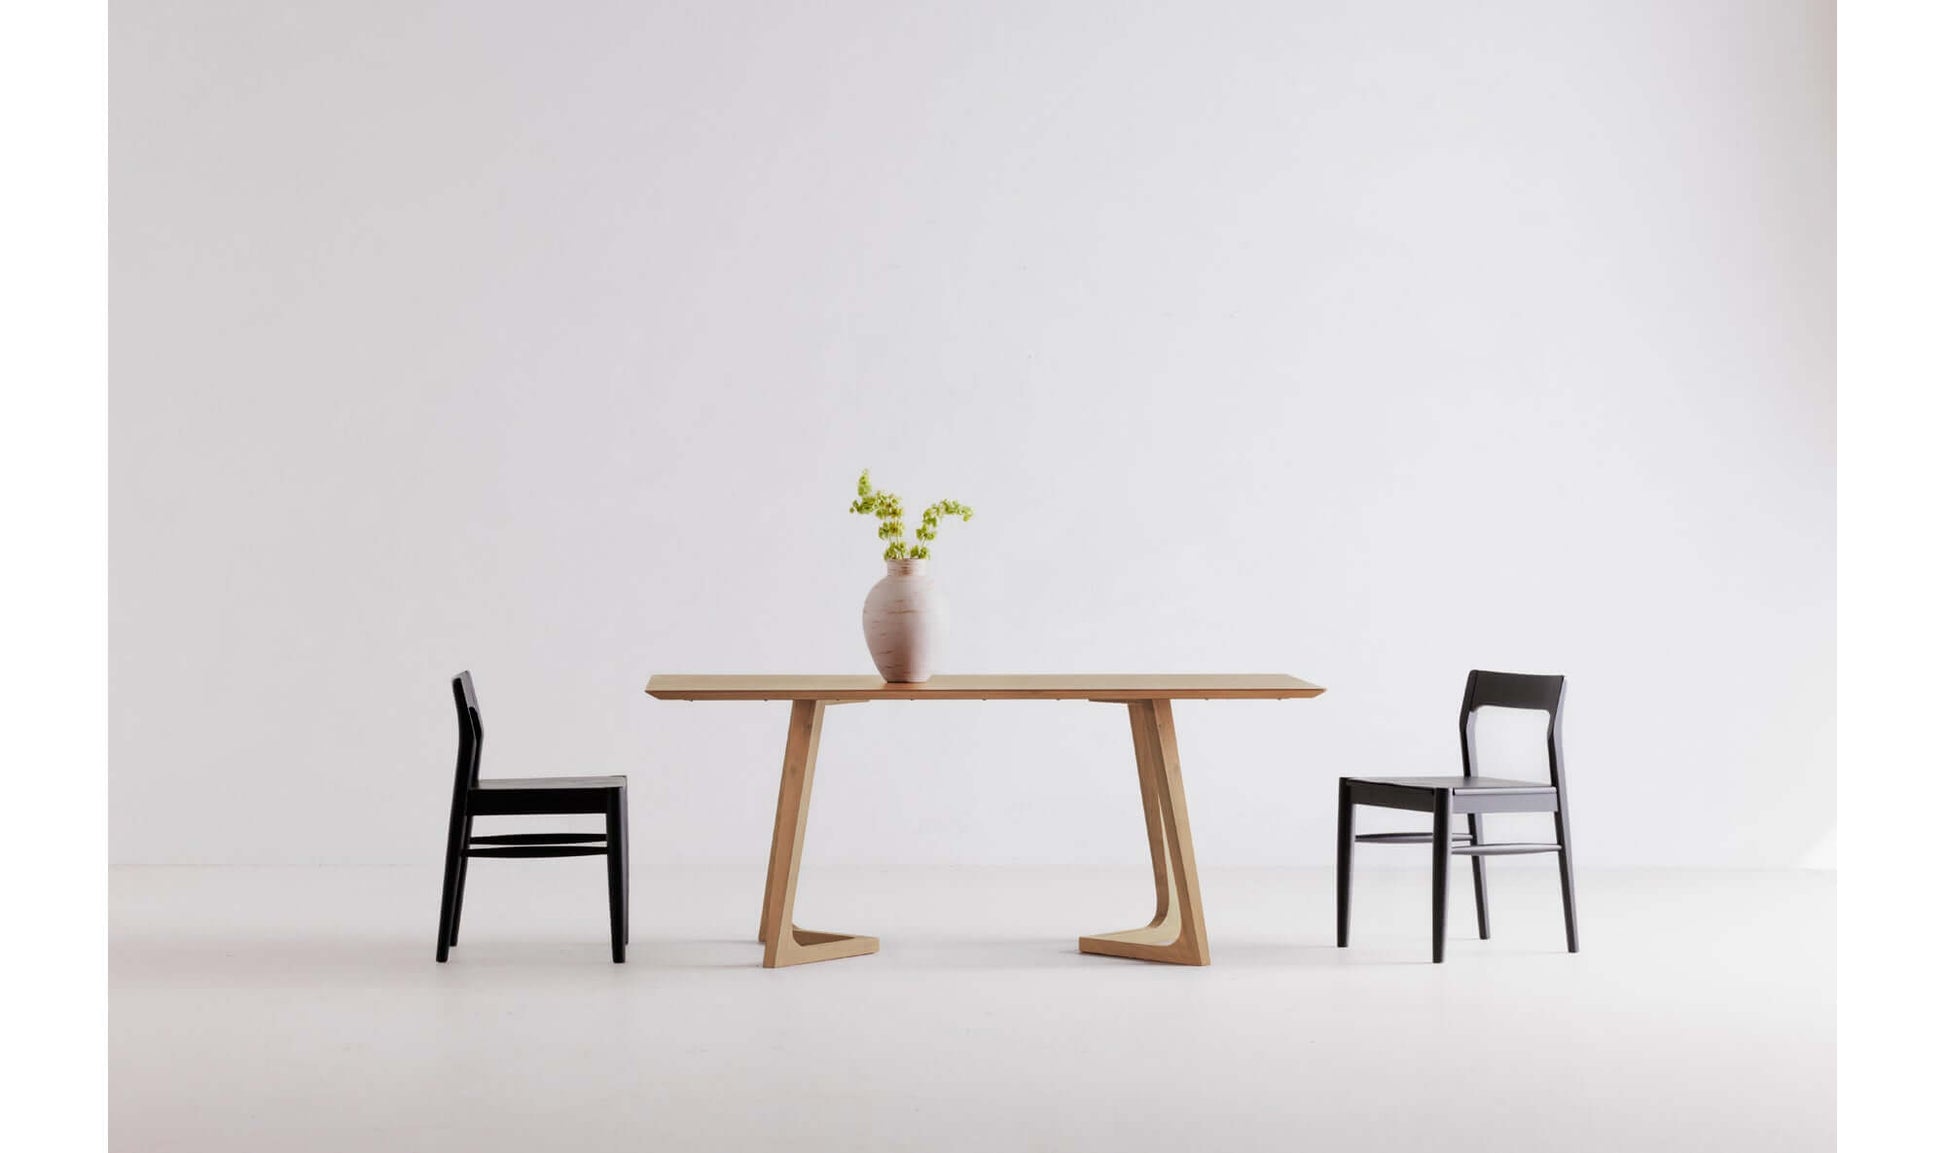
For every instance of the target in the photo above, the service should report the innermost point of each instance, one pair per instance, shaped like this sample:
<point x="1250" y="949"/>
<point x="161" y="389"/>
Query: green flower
<point x="891" y="519"/>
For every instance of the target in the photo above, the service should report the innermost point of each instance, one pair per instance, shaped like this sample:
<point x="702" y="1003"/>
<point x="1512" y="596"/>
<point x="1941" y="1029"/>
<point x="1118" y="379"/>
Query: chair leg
<point x="1345" y="842"/>
<point x="627" y="906"/>
<point x="1442" y="857"/>
<point x="449" y="883"/>
<point x="1473" y="823"/>
<point x="617" y="901"/>
<point x="459" y="889"/>
<point x="1567" y="877"/>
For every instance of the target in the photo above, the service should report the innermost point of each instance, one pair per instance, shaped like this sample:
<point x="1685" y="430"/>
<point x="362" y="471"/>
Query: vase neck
<point x="906" y="566"/>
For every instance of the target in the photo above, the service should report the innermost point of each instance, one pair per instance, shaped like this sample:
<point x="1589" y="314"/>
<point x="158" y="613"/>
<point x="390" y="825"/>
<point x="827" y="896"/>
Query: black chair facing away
<point x="1473" y="796"/>
<point x="473" y="797"/>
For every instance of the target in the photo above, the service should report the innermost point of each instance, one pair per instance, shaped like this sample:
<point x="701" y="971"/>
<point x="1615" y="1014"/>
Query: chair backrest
<point x="467" y="773"/>
<point x="1485" y="690"/>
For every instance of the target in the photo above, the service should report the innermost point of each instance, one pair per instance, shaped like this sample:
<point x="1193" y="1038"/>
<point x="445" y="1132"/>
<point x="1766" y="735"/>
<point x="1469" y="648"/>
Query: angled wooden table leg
<point x="785" y="943"/>
<point x="1175" y="935"/>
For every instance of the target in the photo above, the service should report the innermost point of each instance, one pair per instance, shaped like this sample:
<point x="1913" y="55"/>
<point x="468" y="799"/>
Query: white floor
<point x="284" y="1010"/>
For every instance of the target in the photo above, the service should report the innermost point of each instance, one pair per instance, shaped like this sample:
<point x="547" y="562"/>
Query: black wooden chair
<point x="473" y="797"/>
<point x="1472" y="796"/>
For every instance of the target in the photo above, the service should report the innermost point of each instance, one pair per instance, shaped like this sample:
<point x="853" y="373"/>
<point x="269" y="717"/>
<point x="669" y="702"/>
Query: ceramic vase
<point x="905" y="621"/>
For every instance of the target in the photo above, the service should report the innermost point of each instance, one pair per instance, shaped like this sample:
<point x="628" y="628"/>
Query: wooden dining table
<point x="1176" y="934"/>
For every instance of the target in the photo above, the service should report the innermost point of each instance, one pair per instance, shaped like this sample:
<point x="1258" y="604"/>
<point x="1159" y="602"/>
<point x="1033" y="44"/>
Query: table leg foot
<point x="807" y="945"/>
<point x="1154" y="943"/>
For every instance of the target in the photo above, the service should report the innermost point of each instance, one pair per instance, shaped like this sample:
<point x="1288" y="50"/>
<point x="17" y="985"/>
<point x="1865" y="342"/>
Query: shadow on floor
<point x="310" y="962"/>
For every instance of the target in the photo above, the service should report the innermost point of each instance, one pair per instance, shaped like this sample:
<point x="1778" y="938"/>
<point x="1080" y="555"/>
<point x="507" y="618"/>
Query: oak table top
<point x="1011" y="687"/>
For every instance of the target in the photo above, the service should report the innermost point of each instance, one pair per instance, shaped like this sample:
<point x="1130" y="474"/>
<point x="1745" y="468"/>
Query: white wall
<point x="1366" y="342"/>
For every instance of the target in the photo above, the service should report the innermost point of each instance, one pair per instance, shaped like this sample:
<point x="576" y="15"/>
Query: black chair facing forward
<point x="473" y="797"/>
<point x="1472" y="796"/>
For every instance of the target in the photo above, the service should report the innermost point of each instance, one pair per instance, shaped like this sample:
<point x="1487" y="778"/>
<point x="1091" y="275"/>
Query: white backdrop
<point x="1367" y="342"/>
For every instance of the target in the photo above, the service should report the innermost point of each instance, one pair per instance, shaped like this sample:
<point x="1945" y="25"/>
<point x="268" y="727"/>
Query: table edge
<point x="1105" y="694"/>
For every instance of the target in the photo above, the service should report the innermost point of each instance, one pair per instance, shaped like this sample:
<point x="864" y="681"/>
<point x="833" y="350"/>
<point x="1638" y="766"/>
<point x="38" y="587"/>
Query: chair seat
<point x="615" y="782"/>
<point x="1456" y="784"/>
